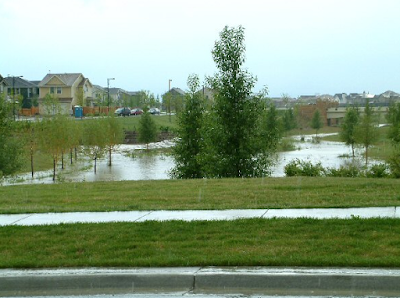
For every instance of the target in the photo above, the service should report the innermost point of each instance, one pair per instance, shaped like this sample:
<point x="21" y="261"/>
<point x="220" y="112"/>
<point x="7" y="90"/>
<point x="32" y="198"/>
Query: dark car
<point x="122" y="112"/>
<point x="136" y="111"/>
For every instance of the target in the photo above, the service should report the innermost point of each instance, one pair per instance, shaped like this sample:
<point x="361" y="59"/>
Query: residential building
<point x="99" y="95"/>
<point x="118" y="97"/>
<point x="21" y="89"/>
<point x="71" y="89"/>
<point x="3" y="85"/>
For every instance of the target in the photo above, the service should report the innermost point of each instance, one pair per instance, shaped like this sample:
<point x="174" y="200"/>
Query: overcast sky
<point x="296" y="47"/>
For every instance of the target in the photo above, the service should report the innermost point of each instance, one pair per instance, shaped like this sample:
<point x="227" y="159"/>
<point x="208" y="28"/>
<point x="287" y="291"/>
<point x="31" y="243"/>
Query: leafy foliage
<point x="187" y="149"/>
<point x="147" y="128"/>
<point x="366" y="132"/>
<point x="232" y="146"/>
<point x="316" y="122"/>
<point x="348" y="128"/>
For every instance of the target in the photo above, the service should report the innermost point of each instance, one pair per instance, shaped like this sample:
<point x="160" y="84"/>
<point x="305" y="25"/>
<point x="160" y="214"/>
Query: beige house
<point x="71" y="89"/>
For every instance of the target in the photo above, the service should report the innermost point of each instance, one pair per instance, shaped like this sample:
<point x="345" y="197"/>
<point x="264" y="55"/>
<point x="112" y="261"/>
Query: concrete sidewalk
<point x="189" y="215"/>
<point x="198" y="280"/>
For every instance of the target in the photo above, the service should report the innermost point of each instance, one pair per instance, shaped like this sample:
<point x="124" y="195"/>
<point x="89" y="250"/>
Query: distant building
<point x="71" y="89"/>
<point x="28" y="91"/>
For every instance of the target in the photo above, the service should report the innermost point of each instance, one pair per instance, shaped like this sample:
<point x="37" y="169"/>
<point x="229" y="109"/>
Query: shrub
<point x="378" y="171"/>
<point x="303" y="168"/>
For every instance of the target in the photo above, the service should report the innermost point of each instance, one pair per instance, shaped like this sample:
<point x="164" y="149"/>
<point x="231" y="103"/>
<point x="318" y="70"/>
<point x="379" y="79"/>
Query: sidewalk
<point x="189" y="215"/>
<point x="202" y="280"/>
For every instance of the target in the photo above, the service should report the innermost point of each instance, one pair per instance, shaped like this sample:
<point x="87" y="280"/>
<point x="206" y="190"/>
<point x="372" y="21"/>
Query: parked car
<point x="122" y="112"/>
<point x="136" y="111"/>
<point x="154" y="111"/>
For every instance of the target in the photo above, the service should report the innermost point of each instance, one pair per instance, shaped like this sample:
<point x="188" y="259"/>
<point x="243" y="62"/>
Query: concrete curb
<point x="196" y="280"/>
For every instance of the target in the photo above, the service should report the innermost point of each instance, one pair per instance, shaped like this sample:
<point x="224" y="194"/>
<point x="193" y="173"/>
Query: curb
<point x="196" y="280"/>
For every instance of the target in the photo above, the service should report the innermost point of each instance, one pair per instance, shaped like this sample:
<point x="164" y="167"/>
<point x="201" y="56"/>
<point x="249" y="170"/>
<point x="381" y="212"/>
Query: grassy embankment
<point x="247" y="242"/>
<point x="250" y="242"/>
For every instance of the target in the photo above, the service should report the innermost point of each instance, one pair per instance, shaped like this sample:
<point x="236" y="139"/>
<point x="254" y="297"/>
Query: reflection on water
<point x="157" y="166"/>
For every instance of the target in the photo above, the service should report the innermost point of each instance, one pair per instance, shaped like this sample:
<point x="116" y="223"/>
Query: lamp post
<point x="13" y="84"/>
<point x="108" y="92"/>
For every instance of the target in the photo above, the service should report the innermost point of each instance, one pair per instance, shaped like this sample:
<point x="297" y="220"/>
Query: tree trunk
<point x="54" y="169"/>
<point x="109" y="157"/>
<point x="32" y="161"/>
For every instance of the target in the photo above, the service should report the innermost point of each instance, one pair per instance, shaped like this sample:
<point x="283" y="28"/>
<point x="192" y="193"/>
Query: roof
<point x="17" y="82"/>
<point x="67" y="78"/>
<point x="177" y="90"/>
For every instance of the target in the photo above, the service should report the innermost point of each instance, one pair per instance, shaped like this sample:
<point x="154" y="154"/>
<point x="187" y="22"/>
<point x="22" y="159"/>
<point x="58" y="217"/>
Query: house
<point x="71" y="89"/>
<point x="27" y="91"/>
<point x="173" y="100"/>
<point x="3" y="85"/>
<point x="99" y="95"/>
<point x="118" y="97"/>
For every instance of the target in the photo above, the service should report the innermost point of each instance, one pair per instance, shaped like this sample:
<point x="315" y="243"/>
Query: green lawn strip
<point x="207" y="194"/>
<point x="248" y="242"/>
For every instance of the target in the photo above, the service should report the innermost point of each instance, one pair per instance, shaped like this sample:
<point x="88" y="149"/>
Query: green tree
<point x="147" y="129"/>
<point x="231" y="140"/>
<point x="348" y="128"/>
<point x="114" y="135"/>
<point x="271" y="129"/>
<point x="366" y="132"/>
<point x="51" y="104"/>
<point x="10" y="148"/>
<point x="187" y="149"/>
<point x="289" y="120"/>
<point x="316" y="122"/>
<point x="94" y="142"/>
<point x="53" y="138"/>
<point x="393" y="118"/>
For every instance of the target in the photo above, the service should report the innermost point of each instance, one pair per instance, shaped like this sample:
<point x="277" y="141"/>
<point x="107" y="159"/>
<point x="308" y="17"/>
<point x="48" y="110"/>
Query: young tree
<point x="393" y="118"/>
<point x="10" y="149"/>
<point x="147" y="129"/>
<point x="114" y="135"/>
<point x="53" y="138"/>
<point x="231" y="146"/>
<point x="51" y="104"/>
<point x="366" y="132"/>
<point x="348" y="128"/>
<point x="94" y="142"/>
<point x="271" y="129"/>
<point x="316" y="122"/>
<point x="289" y="120"/>
<point x="188" y="145"/>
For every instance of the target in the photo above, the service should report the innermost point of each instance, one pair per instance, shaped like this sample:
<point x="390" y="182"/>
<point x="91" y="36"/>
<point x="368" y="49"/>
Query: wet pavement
<point x="202" y="282"/>
<point x="190" y="215"/>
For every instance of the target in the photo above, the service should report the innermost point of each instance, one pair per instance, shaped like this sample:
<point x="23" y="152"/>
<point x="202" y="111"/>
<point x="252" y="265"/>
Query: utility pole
<point x="108" y="93"/>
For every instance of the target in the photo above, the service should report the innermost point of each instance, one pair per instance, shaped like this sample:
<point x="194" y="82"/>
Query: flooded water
<point x="128" y="164"/>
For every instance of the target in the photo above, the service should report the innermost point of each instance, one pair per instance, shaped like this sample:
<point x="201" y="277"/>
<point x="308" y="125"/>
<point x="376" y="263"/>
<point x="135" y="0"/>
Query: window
<point x="59" y="90"/>
<point x="51" y="90"/>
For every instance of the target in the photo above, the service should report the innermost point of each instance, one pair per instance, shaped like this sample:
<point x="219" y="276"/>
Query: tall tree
<point x="316" y="122"/>
<point x="147" y="129"/>
<point x="187" y="149"/>
<point x="348" y="128"/>
<point x="232" y="147"/>
<point x="366" y="132"/>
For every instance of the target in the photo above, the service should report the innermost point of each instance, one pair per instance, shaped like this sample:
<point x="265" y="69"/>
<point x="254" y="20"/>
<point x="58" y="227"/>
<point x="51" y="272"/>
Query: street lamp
<point x="13" y="84"/>
<point x="108" y="92"/>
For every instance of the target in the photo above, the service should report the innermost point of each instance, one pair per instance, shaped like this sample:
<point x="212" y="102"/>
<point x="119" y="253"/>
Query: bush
<point x="303" y="168"/>
<point x="394" y="166"/>
<point x="349" y="169"/>
<point x="378" y="171"/>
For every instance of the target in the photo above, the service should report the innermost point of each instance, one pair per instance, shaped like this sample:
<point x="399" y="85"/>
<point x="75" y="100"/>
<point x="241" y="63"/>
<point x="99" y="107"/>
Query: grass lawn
<point x="293" y="192"/>
<point x="250" y="242"/>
